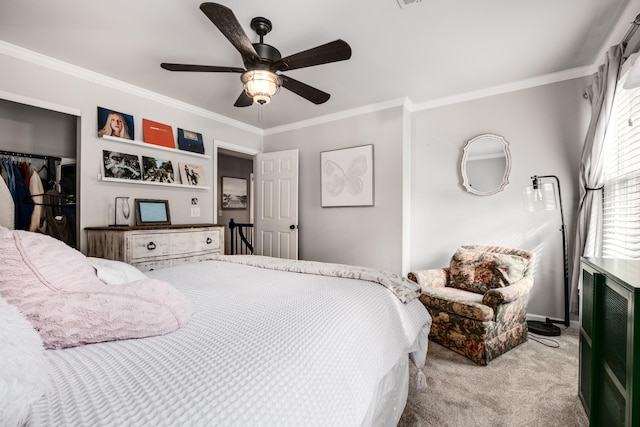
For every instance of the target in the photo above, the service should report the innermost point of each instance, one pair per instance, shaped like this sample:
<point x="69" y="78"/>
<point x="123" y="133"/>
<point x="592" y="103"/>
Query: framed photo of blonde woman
<point x="115" y="124"/>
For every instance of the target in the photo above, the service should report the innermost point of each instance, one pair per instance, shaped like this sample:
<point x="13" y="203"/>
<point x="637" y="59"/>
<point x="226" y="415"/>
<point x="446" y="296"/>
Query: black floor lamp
<point x="541" y="196"/>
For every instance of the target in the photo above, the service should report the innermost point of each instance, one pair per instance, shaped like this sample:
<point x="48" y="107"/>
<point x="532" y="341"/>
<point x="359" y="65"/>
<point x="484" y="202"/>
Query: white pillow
<point x="116" y="272"/>
<point x="24" y="376"/>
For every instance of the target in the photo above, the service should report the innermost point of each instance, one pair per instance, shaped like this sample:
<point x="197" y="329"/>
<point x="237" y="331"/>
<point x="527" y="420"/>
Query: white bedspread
<point x="263" y="348"/>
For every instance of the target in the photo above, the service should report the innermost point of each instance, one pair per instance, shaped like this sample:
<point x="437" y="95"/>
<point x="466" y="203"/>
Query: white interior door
<point x="276" y="221"/>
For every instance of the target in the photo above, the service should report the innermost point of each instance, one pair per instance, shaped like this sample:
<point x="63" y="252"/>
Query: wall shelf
<point x="155" y="147"/>
<point x="162" y="184"/>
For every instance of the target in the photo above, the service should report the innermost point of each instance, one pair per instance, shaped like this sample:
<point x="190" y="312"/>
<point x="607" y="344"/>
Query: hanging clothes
<point x="57" y="222"/>
<point x="24" y="168"/>
<point x="23" y="201"/>
<point x="37" y="194"/>
<point x="7" y="207"/>
<point x="8" y="167"/>
<point x="3" y="173"/>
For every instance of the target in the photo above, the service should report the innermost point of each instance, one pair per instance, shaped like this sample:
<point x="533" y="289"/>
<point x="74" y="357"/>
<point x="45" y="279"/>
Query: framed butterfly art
<point x="347" y="176"/>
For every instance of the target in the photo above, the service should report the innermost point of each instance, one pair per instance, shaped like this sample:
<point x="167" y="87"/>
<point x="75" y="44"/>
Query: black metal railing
<point x="241" y="242"/>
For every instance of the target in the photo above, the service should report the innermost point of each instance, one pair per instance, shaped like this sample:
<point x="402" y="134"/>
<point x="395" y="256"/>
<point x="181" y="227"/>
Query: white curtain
<point x="589" y="228"/>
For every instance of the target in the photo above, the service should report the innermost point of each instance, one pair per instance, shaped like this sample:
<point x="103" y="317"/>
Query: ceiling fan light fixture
<point x="261" y="85"/>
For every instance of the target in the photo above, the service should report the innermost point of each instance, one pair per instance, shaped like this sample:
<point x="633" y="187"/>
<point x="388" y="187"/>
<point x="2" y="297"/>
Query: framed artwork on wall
<point x="191" y="174"/>
<point x="157" y="170"/>
<point x="121" y="165"/>
<point x="234" y="193"/>
<point x="347" y="177"/>
<point x="114" y="123"/>
<point x="152" y="212"/>
<point x="190" y="141"/>
<point x="157" y="133"/>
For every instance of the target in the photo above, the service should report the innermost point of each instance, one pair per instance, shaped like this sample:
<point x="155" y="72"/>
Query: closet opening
<point x="38" y="164"/>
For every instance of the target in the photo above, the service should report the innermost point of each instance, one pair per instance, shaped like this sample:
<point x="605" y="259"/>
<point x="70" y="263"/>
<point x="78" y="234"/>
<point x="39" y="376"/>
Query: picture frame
<point x="115" y="124"/>
<point x="152" y="212"/>
<point x="157" y="170"/>
<point x="157" y="133"/>
<point x="191" y="174"/>
<point x="234" y="193"/>
<point x="119" y="165"/>
<point x="190" y="141"/>
<point x="347" y="177"/>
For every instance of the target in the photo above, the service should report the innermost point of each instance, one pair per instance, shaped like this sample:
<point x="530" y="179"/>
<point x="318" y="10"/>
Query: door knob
<point x="292" y="227"/>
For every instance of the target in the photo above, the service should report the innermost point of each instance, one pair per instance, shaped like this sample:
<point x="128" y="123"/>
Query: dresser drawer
<point x="152" y="249"/>
<point x="152" y="265"/>
<point x="149" y="246"/>
<point x="208" y="241"/>
<point x="195" y="241"/>
<point x="190" y="259"/>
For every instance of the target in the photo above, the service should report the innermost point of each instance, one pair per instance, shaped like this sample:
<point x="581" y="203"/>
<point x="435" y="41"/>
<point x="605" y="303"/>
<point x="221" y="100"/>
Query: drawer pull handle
<point x="209" y="240"/>
<point x="151" y="246"/>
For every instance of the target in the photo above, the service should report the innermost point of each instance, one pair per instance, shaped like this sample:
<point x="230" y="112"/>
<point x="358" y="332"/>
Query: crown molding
<point x="336" y="116"/>
<point x="82" y="73"/>
<point x="546" y="79"/>
<point x="413" y="107"/>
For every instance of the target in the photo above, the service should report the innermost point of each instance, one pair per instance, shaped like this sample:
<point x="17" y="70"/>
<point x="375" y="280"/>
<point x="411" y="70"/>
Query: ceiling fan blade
<point x="310" y="93"/>
<point x="243" y="100"/>
<point x="223" y="18"/>
<point x="201" y="68"/>
<point x="337" y="50"/>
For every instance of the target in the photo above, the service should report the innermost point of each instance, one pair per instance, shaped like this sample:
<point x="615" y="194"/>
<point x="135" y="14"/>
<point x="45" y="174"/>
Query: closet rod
<point x="632" y="30"/>
<point x="32" y="156"/>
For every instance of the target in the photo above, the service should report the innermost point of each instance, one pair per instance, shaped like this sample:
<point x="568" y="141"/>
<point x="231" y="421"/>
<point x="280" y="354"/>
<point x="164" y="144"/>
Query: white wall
<point x="369" y="236"/>
<point x="545" y="127"/>
<point x="77" y="92"/>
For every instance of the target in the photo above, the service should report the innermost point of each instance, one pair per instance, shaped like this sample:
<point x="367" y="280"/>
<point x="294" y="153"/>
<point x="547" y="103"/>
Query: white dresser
<point x="155" y="247"/>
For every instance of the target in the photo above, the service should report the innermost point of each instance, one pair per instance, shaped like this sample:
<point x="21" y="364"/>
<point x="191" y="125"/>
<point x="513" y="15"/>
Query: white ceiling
<point x="430" y="51"/>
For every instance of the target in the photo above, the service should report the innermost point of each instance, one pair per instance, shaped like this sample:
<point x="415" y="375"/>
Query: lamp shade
<point x="539" y="197"/>
<point x="261" y="85"/>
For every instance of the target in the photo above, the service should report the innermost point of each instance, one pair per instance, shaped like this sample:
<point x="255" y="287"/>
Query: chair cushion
<point x="478" y="271"/>
<point x="457" y="301"/>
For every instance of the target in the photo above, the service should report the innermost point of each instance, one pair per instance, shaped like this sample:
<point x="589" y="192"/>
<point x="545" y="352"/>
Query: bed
<point x="267" y="342"/>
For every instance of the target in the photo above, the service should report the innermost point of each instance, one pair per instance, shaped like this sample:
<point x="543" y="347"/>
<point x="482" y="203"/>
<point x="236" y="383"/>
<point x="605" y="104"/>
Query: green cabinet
<point x="609" y="340"/>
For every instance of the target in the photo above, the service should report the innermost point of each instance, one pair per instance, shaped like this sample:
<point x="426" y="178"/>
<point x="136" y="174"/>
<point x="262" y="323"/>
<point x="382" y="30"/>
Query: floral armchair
<point x="479" y="303"/>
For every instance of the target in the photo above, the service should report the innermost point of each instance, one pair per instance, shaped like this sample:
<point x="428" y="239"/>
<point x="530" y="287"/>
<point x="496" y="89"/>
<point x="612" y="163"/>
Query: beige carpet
<point x="531" y="385"/>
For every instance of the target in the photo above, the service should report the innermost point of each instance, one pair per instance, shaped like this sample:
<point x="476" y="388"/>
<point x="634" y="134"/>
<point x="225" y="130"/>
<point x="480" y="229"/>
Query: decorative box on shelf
<point x="153" y="247"/>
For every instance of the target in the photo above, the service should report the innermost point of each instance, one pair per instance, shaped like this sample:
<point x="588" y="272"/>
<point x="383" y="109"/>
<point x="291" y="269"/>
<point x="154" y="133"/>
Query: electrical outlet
<point x="195" y="211"/>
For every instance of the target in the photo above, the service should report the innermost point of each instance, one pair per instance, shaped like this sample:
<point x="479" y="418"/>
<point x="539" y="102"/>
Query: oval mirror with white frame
<point x="486" y="164"/>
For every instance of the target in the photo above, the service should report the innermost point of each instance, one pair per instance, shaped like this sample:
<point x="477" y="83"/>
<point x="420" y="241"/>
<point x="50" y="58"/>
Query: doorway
<point x="233" y="162"/>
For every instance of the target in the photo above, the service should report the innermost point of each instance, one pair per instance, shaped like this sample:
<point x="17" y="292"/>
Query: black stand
<point x="547" y="327"/>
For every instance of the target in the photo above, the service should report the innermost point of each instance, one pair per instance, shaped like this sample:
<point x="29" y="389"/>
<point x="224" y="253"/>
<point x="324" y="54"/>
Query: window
<point x="621" y="216"/>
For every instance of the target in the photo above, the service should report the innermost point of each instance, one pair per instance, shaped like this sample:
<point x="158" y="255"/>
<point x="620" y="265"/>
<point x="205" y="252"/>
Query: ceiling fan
<point x="262" y="62"/>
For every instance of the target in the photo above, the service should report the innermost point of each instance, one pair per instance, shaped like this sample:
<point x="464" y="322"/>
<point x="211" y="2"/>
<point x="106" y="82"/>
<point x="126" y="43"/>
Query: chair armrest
<point x="432" y="278"/>
<point x="495" y="297"/>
